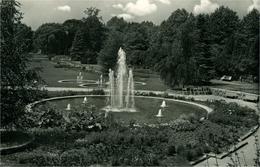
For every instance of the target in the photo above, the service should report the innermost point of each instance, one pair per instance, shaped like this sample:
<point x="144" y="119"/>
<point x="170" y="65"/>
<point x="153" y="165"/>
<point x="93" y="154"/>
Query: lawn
<point x="51" y="75"/>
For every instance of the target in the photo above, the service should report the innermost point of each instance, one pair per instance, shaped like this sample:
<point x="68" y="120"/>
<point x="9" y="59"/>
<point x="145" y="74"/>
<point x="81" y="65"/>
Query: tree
<point x="250" y="31"/>
<point x="51" y="38"/>
<point x="117" y="24"/>
<point x="202" y="49"/>
<point x="223" y="25"/>
<point x="108" y="55"/>
<point x="89" y="38"/>
<point x="79" y="44"/>
<point x="176" y="46"/>
<point x="136" y="43"/>
<point x="24" y="35"/>
<point x="17" y="80"/>
<point x="71" y="26"/>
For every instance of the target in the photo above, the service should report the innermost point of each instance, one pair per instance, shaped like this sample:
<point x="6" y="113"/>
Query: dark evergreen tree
<point x="223" y="25"/>
<point x="108" y="55"/>
<point x="71" y="26"/>
<point x="17" y="79"/>
<point x="202" y="48"/>
<point x="89" y="38"/>
<point x="79" y="45"/>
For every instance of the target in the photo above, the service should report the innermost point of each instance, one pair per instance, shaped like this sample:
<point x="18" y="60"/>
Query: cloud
<point x="167" y="2"/>
<point x="125" y="16"/>
<point x="118" y="6"/>
<point x="255" y="5"/>
<point x="64" y="8"/>
<point x="139" y="8"/>
<point x="205" y="6"/>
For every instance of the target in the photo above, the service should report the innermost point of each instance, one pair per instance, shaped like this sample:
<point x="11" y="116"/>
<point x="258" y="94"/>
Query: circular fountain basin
<point x="146" y="108"/>
<point x="75" y="81"/>
<point x="110" y="109"/>
<point x="95" y="84"/>
<point x="89" y="85"/>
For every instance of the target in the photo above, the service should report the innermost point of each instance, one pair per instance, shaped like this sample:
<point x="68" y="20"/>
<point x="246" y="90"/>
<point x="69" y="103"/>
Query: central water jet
<point x="121" y="87"/>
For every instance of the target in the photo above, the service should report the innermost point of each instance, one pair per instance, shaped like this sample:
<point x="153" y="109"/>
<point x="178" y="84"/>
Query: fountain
<point x="121" y="86"/>
<point x="159" y="113"/>
<point x="79" y="78"/>
<point x="100" y="81"/>
<point x="85" y="100"/>
<point x="163" y="105"/>
<point x="68" y="107"/>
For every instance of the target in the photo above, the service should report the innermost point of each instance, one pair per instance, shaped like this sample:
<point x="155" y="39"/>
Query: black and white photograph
<point x="130" y="83"/>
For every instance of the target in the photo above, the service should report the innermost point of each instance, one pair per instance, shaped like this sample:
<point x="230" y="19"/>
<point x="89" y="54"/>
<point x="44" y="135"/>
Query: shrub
<point x="180" y="149"/>
<point x="97" y="92"/>
<point x="50" y="119"/>
<point x="39" y="158"/>
<point x="75" y="157"/>
<point x="171" y="150"/>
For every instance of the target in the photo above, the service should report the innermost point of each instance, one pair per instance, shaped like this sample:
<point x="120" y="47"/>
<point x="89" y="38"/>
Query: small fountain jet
<point x="68" y="107"/>
<point x="163" y="105"/>
<point x="85" y="100"/>
<point x="79" y="78"/>
<point x="159" y="115"/>
<point x="101" y="80"/>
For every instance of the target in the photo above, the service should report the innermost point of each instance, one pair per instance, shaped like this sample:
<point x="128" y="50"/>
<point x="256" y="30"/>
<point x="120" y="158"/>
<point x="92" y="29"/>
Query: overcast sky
<point x="37" y="12"/>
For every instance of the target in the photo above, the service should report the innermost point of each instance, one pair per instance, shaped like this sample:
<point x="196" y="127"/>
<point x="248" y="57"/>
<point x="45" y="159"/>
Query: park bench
<point x="226" y="78"/>
<point x="232" y="95"/>
<point x="251" y="98"/>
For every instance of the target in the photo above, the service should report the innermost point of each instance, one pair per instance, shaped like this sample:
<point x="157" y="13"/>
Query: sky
<point x="37" y="12"/>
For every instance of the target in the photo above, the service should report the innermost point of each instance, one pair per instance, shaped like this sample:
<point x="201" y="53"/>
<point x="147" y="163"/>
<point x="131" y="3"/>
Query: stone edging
<point x="231" y="150"/>
<point x="31" y="105"/>
<point x="12" y="149"/>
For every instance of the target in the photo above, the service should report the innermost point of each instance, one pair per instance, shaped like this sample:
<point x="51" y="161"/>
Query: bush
<point x="39" y="158"/>
<point x="97" y="92"/>
<point x="75" y="157"/>
<point x="171" y="150"/>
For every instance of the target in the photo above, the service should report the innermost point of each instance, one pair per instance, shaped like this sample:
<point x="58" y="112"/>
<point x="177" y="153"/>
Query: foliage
<point x="241" y="116"/>
<point x="108" y="55"/>
<point x="184" y="140"/>
<point x="17" y="81"/>
<point x="89" y="38"/>
<point x="50" y="38"/>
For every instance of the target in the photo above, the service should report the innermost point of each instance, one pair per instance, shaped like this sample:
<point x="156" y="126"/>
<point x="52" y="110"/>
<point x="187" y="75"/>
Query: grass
<point x="52" y="75"/>
<point x="147" y="109"/>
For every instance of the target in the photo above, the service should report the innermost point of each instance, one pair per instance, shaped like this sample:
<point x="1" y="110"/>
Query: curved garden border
<point x="75" y="81"/>
<point x="16" y="148"/>
<point x="85" y="85"/>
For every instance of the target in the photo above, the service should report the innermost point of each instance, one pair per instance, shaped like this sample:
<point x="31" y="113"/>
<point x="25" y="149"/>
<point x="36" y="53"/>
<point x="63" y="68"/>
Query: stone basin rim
<point x="204" y="107"/>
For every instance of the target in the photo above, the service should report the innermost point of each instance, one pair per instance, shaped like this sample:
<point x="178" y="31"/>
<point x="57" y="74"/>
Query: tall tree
<point x="224" y="23"/>
<point x="50" y="38"/>
<point x="202" y="48"/>
<point x="92" y="31"/>
<point x="250" y="29"/>
<point x="17" y="80"/>
<point x="108" y="55"/>
<point x="71" y="26"/>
